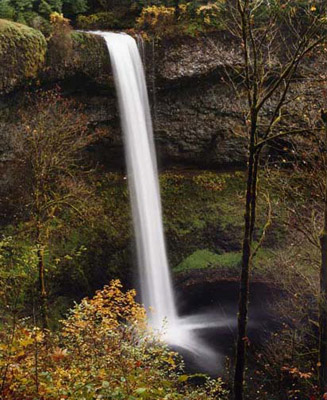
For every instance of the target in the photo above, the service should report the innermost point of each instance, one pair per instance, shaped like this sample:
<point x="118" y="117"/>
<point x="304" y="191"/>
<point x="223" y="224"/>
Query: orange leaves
<point x="295" y="372"/>
<point x="246" y="340"/>
<point x="59" y="354"/>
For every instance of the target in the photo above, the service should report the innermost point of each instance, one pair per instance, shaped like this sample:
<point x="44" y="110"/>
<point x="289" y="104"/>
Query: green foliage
<point x="45" y="9"/>
<point x="22" y="54"/>
<point x="22" y="6"/>
<point x="206" y="259"/>
<point x="6" y="10"/>
<point x="18" y="276"/>
<point x="157" y="17"/>
<point x="26" y="11"/>
<point x="73" y="8"/>
<point x="202" y="259"/>
<point x="101" y="20"/>
<point x="201" y="210"/>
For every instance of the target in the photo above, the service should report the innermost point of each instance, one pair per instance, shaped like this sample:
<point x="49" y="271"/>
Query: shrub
<point x="159" y="20"/>
<point x="117" y="19"/>
<point x="102" y="351"/>
<point x="101" y="20"/>
<point x="61" y="42"/>
<point x="162" y="21"/>
<point x="210" y="14"/>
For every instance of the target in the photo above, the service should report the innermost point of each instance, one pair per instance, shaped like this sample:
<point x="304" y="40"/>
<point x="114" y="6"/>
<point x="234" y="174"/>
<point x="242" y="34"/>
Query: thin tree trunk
<point x="254" y="192"/>
<point x="323" y="309"/>
<point x="177" y="12"/>
<point x="323" y="298"/>
<point x="244" y="286"/>
<point x="42" y="289"/>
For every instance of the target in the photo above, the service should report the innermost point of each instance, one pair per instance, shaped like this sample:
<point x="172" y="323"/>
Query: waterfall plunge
<point x="156" y="286"/>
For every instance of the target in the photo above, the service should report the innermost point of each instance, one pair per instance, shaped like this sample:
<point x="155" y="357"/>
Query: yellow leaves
<point x="155" y="17"/>
<point x="103" y="313"/>
<point x="58" y="18"/>
<point x="102" y="349"/>
<point x="170" y="360"/>
<point x="102" y="373"/>
<point x="183" y="378"/>
<point x="26" y="342"/>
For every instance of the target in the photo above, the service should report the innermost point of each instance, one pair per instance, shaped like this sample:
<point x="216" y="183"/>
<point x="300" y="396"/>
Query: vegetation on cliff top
<point x="22" y="54"/>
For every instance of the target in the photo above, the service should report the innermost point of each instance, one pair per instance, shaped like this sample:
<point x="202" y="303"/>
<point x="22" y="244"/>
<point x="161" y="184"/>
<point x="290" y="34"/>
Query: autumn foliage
<point x="102" y="351"/>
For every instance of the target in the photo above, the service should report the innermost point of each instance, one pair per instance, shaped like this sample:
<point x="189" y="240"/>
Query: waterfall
<point x="156" y="286"/>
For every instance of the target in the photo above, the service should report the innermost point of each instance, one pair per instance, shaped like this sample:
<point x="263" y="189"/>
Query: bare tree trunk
<point x="246" y="261"/>
<point x="177" y="12"/>
<point x="42" y="289"/>
<point x="323" y="295"/>
<point x="41" y="269"/>
<point x="323" y="312"/>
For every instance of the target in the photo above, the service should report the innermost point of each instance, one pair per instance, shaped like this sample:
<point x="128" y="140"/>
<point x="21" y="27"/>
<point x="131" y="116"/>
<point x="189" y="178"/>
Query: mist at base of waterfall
<point x="187" y="336"/>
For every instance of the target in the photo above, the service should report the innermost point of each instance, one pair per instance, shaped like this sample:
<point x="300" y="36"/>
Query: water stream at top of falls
<point x="156" y="286"/>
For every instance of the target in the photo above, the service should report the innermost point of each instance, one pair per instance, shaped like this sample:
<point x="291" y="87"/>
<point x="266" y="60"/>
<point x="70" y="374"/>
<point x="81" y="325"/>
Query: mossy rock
<point x="22" y="55"/>
<point x="78" y="55"/>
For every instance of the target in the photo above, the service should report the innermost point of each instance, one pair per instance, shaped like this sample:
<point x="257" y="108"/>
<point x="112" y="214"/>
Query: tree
<point x="304" y="190"/>
<point x="274" y="42"/>
<point x="44" y="9"/>
<point x="322" y="362"/>
<point x="74" y="7"/>
<point x="176" y="4"/>
<point x="49" y="141"/>
<point x="22" y="6"/>
<point x="6" y="10"/>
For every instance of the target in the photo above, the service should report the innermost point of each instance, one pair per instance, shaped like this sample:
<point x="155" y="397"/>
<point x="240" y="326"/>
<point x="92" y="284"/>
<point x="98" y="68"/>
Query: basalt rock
<point x="196" y="114"/>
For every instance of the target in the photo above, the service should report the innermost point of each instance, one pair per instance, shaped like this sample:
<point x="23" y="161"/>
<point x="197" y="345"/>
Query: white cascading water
<point x="156" y="287"/>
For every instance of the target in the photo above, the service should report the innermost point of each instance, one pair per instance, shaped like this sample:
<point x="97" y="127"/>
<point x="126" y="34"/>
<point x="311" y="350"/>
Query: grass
<point x="202" y="259"/>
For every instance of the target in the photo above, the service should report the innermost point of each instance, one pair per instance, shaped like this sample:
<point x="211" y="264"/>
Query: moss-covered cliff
<point x="22" y="55"/>
<point x="77" y="55"/>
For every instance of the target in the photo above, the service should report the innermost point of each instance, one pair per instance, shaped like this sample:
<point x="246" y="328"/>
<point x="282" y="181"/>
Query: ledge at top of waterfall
<point x="156" y="286"/>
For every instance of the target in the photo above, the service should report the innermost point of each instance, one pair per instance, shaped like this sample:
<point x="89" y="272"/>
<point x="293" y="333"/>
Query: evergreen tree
<point x="6" y="10"/>
<point x="56" y="5"/>
<point x="44" y="9"/>
<point x="22" y="6"/>
<point x="74" y="7"/>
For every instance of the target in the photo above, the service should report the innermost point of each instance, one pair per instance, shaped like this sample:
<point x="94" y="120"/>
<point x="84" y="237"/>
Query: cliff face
<point x="197" y="116"/>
